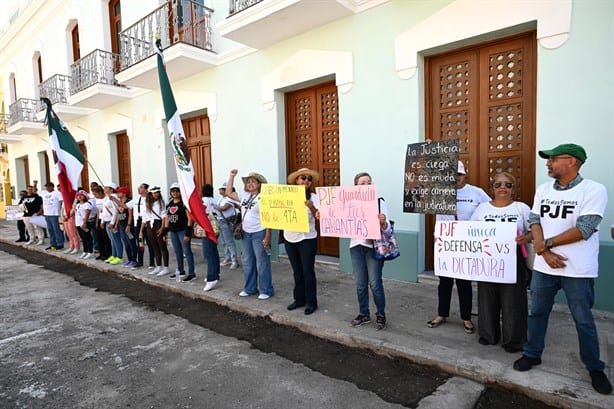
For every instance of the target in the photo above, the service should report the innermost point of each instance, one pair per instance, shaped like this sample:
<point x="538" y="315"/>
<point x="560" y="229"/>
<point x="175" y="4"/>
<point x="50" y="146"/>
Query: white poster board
<point x="477" y="251"/>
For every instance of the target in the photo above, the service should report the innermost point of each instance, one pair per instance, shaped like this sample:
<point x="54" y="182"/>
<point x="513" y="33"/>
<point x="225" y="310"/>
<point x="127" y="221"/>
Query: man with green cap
<point x="564" y="222"/>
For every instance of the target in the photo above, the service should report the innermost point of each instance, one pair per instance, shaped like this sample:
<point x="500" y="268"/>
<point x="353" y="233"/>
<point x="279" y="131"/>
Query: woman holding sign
<point x="302" y="247"/>
<point x="502" y="308"/>
<point x="368" y="269"/>
<point x="256" y="239"/>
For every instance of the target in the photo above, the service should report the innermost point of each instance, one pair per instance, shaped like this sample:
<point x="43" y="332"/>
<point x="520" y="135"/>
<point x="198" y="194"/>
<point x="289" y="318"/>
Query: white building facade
<point x="341" y="86"/>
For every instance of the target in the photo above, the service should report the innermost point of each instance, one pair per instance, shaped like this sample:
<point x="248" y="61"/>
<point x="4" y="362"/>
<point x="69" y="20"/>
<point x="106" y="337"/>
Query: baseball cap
<point x="567" y="148"/>
<point x="461" y="168"/>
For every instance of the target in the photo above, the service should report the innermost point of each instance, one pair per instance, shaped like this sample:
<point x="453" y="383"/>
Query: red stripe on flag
<point x="68" y="193"/>
<point x="199" y="213"/>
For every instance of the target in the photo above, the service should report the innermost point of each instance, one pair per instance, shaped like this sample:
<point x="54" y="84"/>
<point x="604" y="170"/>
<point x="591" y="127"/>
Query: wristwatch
<point x="548" y="243"/>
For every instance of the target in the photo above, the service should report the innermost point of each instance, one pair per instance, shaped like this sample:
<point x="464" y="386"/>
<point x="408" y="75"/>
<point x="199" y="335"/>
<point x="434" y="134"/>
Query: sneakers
<point x="526" y="362"/>
<point x="164" y="271"/>
<point x="83" y="255"/>
<point x="380" y="322"/>
<point x="136" y="266"/>
<point x="190" y="277"/>
<point x="115" y="261"/>
<point x="244" y="294"/>
<point x="156" y="270"/>
<point x="74" y="251"/>
<point x="29" y="242"/>
<point x="234" y="265"/>
<point x="262" y="296"/>
<point x="360" y="319"/>
<point x="211" y="285"/>
<point x="40" y="242"/>
<point x="225" y="262"/>
<point x="68" y="250"/>
<point x="600" y="382"/>
<point x="87" y="255"/>
<point x="108" y="260"/>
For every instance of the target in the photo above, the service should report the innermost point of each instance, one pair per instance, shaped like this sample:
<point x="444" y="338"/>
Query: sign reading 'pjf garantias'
<point x="349" y="211"/>
<point x="480" y="251"/>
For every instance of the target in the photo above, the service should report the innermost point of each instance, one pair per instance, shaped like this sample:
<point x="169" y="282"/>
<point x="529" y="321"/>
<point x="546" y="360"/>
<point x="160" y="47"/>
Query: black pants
<point x="86" y="238"/>
<point x="104" y="242"/>
<point x="158" y="243"/>
<point x="140" y="254"/>
<point x="23" y="233"/>
<point x="302" y="257"/>
<point x="465" y="297"/>
<point x="503" y="310"/>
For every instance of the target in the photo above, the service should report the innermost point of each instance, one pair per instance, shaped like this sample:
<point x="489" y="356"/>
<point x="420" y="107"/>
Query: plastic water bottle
<point x="130" y="236"/>
<point x="141" y="246"/>
<point x="267" y="250"/>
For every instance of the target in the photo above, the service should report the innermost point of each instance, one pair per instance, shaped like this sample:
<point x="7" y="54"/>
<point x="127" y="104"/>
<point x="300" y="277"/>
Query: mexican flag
<point x="67" y="156"/>
<point x="183" y="164"/>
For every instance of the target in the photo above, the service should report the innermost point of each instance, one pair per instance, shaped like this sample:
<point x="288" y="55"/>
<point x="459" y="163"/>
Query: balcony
<point x="5" y="137"/>
<point x="93" y="83"/>
<point x="261" y="23"/>
<point x="184" y="28"/>
<point x="57" y="89"/>
<point x="22" y="117"/>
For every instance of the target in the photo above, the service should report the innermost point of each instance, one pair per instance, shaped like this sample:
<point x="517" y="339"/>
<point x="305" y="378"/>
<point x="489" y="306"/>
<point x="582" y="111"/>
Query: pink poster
<point x="349" y="211"/>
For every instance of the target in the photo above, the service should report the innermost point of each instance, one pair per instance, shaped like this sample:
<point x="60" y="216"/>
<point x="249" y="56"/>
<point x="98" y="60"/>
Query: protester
<point x="52" y="202"/>
<point x="84" y="224"/>
<point x="125" y="226"/>
<point x="103" y="240"/>
<point x="368" y="269"/>
<point x="209" y="248"/>
<point x="502" y="308"/>
<point x="302" y="247"/>
<point x="155" y="209"/>
<point x="33" y="204"/>
<point x="178" y="225"/>
<point x="565" y="225"/>
<point x="256" y="239"/>
<point x="226" y="217"/>
<point x="70" y="227"/>
<point x="110" y="218"/>
<point x="138" y="209"/>
<point x="21" y="226"/>
<point x="96" y="186"/>
<point x="468" y="198"/>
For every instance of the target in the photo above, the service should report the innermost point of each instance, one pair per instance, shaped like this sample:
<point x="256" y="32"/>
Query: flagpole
<point x="95" y="173"/>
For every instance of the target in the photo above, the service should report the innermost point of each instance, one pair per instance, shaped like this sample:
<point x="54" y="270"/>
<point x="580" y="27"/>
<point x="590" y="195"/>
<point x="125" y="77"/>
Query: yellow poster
<point x="283" y="207"/>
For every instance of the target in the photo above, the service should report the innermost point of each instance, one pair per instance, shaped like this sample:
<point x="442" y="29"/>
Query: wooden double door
<point x="485" y="97"/>
<point x="312" y="140"/>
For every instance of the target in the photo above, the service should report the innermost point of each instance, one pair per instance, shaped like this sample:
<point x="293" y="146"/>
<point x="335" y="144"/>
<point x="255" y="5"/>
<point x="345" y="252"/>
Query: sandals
<point x="434" y="323"/>
<point x="469" y="329"/>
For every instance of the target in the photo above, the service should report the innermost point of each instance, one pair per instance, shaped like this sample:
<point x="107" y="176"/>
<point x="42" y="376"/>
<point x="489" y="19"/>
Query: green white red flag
<point x="183" y="164"/>
<point x="67" y="156"/>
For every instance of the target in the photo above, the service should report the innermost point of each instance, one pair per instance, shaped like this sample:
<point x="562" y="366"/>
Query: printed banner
<point x="283" y="207"/>
<point x="13" y="213"/>
<point x="479" y="251"/>
<point x="349" y="211"/>
<point x="430" y="177"/>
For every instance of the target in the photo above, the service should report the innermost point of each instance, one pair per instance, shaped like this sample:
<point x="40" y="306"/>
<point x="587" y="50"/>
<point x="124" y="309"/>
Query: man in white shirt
<point x="52" y="202"/>
<point x="564" y="221"/>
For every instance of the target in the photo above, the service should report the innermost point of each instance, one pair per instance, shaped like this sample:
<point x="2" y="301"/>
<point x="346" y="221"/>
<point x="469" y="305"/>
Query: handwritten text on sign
<point x="430" y="177"/>
<point x="283" y="207"/>
<point x="480" y="251"/>
<point x="349" y="211"/>
<point x="13" y="213"/>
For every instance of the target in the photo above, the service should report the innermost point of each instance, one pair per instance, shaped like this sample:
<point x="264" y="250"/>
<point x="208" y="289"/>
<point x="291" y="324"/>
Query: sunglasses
<point x="309" y="178"/>
<point x="508" y="185"/>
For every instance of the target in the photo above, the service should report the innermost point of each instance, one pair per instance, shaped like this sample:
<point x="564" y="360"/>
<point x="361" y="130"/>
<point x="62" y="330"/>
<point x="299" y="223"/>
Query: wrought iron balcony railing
<point x="177" y="21"/>
<point x="56" y="88"/>
<point x="98" y="67"/>
<point x="236" y="6"/>
<point x="4" y="121"/>
<point x="23" y="109"/>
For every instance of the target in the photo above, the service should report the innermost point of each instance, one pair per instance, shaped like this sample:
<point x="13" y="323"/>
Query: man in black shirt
<point x="33" y="207"/>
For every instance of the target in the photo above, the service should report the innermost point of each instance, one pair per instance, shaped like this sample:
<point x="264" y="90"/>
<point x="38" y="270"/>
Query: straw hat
<point x="254" y="175"/>
<point x="303" y="171"/>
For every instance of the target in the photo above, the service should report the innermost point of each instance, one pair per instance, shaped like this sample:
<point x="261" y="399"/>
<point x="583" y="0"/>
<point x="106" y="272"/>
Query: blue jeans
<point x="182" y="248"/>
<point x="213" y="259"/>
<point x="56" y="235"/>
<point x="256" y="265"/>
<point x="117" y="249"/>
<point x="129" y="243"/>
<point x="230" y="247"/>
<point x="580" y="297"/>
<point x="368" y="273"/>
